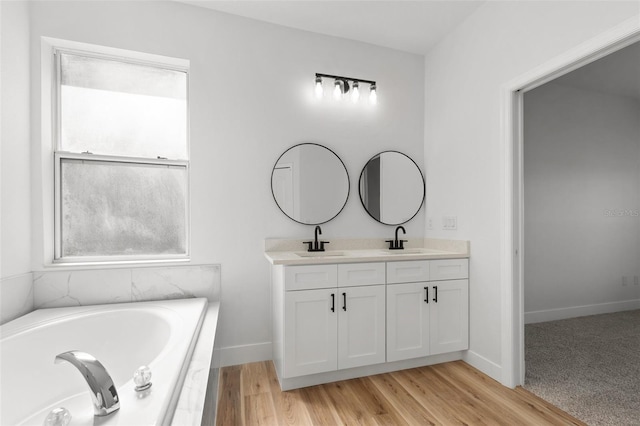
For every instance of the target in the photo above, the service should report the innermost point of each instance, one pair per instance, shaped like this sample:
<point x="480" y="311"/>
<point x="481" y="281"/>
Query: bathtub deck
<point x="444" y="394"/>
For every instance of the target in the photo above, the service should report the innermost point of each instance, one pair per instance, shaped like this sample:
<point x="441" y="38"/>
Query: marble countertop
<point x="293" y="252"/>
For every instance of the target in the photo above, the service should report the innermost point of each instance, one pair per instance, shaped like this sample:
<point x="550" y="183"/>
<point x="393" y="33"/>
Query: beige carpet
<point x="587" y="366"/>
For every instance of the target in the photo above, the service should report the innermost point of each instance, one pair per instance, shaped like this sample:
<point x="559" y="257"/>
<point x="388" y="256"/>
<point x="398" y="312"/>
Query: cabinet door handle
<point x="435" y="293"/>
<point x="333" y="302"/>
<point x="344" y="301"/>
<point x="426" y="294"/>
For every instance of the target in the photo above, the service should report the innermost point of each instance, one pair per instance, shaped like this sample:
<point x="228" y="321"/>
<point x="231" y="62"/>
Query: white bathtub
<point x="122" y="337"/>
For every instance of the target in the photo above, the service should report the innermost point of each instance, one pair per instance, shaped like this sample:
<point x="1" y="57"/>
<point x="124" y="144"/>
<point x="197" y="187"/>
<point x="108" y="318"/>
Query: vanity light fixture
<point x="373" y="94"/>
<point x="319" y="88"/>
<point x="355" y="92"/>
<point x="338" y="90"/>
<point x="342" y="85"/>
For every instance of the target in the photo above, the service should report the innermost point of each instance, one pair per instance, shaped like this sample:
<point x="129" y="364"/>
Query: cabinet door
<point x="449" y="306"/>
<point x="361" y="326"/>
<point x="310" y="332"/>
<point x="407" y="321"/>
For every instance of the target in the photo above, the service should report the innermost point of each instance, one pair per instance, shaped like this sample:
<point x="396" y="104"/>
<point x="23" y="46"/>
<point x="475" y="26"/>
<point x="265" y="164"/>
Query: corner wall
<point x="582" y="198"/>
<point x="16" y="294"/>
<point x="463" y="77"/>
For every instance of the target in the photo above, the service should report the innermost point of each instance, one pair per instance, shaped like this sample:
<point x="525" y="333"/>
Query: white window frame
<point x="51" y="142"/>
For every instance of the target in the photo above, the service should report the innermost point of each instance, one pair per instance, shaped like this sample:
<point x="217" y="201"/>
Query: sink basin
<point x="319" y="253"/>
<point x="418" y="250"/>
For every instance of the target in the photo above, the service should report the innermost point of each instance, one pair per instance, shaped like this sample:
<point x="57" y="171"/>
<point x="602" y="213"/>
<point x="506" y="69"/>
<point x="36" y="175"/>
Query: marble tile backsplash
<point x="16" y="296"/>
<point x="98" y="286"/>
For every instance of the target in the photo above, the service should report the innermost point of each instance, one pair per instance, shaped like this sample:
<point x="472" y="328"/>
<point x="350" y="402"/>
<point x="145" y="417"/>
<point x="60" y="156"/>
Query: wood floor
<point x="446" y="394"/>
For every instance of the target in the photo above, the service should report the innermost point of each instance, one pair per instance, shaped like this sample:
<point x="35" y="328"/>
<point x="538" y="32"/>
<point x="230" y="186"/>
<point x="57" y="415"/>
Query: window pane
<point x="116" y="108"/>
<point x="122" y="208"/>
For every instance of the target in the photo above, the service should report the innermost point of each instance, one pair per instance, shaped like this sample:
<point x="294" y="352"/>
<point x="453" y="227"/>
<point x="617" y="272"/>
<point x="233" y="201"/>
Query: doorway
<point x="512" y="236"/>
<point x="581" y="181"/>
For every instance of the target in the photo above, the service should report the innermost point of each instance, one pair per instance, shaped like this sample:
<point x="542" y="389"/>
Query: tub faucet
<point x="397" y="244"/>
<point x="103" y="391"/>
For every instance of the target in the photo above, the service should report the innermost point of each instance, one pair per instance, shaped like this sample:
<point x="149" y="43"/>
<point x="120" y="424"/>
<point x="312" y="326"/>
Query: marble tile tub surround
<point x="96" y="286"/>
<point x="16" y="296"/>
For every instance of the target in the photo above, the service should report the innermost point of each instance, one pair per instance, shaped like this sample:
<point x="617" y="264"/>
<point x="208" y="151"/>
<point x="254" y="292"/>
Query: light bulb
<point x="337" y="91"/>
<point x="355" y="92"/>
<point x="319" y="88"/>
<point x="373" y="95"/>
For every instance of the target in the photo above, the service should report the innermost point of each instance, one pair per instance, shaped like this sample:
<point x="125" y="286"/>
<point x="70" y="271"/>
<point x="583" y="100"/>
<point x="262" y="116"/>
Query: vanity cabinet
<point x="427" y="308"/>
<point x="330" y="318"/>
<point x="339" y="325"/>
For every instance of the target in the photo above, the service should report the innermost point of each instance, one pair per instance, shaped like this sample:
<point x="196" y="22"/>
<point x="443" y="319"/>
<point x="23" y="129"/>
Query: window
<point x="121" y="159"/>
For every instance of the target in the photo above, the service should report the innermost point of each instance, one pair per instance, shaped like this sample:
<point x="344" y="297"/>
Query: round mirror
<point x="310" y="183"/>
<point x="391" y="188"/>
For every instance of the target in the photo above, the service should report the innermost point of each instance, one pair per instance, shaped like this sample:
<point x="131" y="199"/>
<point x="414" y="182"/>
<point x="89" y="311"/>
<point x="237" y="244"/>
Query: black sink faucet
<point x="397" y="244"/>
<point x="316" y="245"/>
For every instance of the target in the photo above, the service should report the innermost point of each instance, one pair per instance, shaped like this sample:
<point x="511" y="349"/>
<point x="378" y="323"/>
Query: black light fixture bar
<point x="337" y="77"/>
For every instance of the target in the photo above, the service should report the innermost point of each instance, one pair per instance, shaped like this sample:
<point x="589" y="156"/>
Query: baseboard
<point x="580" y="311"/>
<point x="235" y="355"/>
<point x="367" y="370"/>
<point x="488" y="367"/>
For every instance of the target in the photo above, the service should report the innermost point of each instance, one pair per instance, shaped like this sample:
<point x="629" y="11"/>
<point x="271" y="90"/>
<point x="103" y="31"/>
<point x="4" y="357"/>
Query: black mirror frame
<point x="424" y="188"/>
<point x="345" y="170"/>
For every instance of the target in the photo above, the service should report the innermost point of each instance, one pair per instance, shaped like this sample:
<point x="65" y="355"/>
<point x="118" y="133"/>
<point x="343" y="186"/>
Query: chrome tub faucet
<point x="103" y="391"/>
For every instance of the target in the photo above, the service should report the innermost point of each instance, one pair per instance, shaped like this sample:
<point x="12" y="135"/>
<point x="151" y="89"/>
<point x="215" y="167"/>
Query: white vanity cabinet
<point x="426" y="317"/>
<point x="334" y="321"/>
<point x="334" y="317"/>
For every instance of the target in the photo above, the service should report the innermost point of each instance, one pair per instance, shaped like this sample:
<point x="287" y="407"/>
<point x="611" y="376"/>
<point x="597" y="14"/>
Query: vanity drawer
<point x="410" y="271"/>
<point x="310" y="277"/>
<point x="352" y="274"/>
<point x="449" y="269"/>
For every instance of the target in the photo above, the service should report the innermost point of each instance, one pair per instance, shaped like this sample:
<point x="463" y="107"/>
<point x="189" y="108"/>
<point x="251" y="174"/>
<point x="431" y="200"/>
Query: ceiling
<point x="410" y="26"/>
<point x="616" y="74"/>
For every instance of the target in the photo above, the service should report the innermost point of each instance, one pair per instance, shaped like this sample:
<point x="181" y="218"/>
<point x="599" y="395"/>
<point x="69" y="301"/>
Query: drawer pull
<point x="333" y="302"/>
<point x="426" y="294"/>
<point x="344" y="301"/>
<point x="435" y="293"/>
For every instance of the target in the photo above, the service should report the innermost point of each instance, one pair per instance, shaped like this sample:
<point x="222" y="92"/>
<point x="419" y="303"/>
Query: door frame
<point x="511" y="182"/>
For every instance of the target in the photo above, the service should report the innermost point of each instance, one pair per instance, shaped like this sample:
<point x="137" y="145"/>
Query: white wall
<point x="15" y="226"/>
<point x="581" y="197"/>
<point x="463" y="77"/>
<point x="251" y="98"/>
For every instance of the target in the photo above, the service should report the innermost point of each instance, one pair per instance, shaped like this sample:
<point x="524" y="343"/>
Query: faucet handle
<point x="142" y="378"/>
<point x="391" y="244"/>
<point x="322" y="243"/>
<point x="58" y="417"/>
<point x="310" y="244"/>
<point x="401" y="244"/>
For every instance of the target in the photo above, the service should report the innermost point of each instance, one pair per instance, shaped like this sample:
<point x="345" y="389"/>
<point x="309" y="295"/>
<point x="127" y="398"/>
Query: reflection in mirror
<point x="310" y="183"/>
<point x="391" y="188"/>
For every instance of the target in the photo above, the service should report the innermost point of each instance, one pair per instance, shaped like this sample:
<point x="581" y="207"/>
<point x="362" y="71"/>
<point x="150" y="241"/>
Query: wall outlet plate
<point x="450" y="223"/>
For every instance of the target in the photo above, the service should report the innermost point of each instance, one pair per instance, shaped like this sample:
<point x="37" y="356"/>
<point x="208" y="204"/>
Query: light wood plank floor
<point x="446" y="394"/>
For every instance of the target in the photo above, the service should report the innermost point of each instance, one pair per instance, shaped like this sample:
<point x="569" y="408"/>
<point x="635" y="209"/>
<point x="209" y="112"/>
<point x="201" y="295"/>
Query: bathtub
<point x="123" y="337"/>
